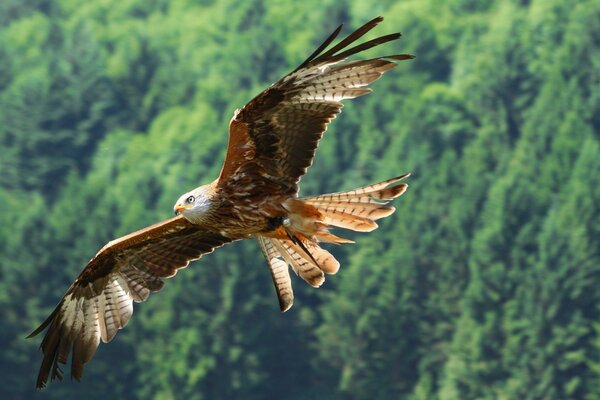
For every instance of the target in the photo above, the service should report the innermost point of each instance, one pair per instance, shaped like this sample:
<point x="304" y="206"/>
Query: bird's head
<point x="193" y="204"/>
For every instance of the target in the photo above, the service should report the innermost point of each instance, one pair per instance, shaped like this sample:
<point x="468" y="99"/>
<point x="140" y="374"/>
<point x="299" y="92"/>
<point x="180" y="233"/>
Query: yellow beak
<point x="179" y="208"/>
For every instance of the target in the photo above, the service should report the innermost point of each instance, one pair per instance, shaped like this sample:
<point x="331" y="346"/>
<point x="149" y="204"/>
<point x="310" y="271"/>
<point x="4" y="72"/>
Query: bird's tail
<point x="357" y="209"/>
<point x="296" y="244"/>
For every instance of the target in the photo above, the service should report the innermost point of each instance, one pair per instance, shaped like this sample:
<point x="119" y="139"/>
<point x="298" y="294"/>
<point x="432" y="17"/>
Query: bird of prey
<point x="272" y="141"/>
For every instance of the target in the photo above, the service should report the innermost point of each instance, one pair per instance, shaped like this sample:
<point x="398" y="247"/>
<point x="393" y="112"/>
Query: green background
<point x="483" y="285"/>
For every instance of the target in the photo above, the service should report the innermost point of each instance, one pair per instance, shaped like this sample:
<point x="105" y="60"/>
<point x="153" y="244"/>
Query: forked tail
<point x="297" y="242"/>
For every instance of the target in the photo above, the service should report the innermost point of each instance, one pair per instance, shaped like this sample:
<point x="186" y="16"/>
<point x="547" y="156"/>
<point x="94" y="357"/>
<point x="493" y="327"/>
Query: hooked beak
<point x="179" y="208"/>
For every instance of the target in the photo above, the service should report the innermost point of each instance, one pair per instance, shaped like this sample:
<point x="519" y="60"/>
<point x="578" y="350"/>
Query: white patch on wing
<point x="101" y="316"/>
<point x="111" y="317"/>
<point x="91" y="330"/>
<point x="99" y="301"/>
<point x="79" y="318"/>
<point x="125" y="301"/>
<point x="68" y="311"/>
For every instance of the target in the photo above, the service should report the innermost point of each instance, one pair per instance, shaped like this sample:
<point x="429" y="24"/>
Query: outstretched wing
<point x="100" y="301"/>
<point x="272" y="140"/>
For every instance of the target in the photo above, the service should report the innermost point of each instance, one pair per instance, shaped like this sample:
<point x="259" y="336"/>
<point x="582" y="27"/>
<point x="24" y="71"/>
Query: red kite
<point x="272" y="142"/>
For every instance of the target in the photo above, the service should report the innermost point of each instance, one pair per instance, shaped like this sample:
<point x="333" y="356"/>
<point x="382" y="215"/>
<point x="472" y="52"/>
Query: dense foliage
<point x="484" y="284"/>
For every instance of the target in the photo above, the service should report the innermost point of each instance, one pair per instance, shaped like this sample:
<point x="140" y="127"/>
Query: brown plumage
<point x="272" y="142"/>
<point x="100" y="300"/>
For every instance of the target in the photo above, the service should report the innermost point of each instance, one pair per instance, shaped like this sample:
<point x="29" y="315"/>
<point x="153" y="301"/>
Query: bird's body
<point x="272" y="141"/>
<point x="237" y="215"/>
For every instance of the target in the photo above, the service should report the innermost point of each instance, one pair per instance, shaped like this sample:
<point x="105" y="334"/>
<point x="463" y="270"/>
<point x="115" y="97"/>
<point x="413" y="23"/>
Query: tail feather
<point x="362" y="197"/>
<point x="358" y="209"/>
<point x="364" y="190"/>
<point x="389" y="193"/>
<point x="281" y="253"/>
<point x="326" y="261"/>
<point x="301" y="262"/>
<point x="279" y="272"/>
<point x="373" y="211"/>
<point x="297" y="244"/>
<point x="328" y="237"/>
<point x="348" y="221"/>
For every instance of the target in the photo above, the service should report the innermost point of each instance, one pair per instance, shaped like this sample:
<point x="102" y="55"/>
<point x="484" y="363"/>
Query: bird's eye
<point x="190" y="200"/>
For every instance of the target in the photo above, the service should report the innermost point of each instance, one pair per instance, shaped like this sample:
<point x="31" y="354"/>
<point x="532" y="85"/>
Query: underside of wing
<point x="100" y="301"/>
<point x="273" y="139"/>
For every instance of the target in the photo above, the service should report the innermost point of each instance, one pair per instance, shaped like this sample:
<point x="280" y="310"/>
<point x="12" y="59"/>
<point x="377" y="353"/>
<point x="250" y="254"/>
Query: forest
<point x="483" y="284"/>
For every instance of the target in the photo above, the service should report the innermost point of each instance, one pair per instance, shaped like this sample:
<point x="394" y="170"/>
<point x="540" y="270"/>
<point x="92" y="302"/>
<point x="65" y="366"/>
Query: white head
<point x="193" y="204"/>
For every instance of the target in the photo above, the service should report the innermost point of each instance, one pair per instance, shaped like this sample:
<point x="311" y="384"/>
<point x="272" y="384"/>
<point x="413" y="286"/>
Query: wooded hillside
<point x="483" y="285"/>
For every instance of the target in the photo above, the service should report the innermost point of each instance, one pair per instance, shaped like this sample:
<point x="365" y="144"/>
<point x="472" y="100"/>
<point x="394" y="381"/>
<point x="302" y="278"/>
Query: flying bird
<point x="272" y="142"/>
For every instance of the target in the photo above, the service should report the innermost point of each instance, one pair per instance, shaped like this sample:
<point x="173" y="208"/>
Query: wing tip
<point x="400" y="57"/>
<point x="372" y="23"/>
<point x="44" y="324"/>
<point x="337" y="53"/>
<point x="400" y="177"/>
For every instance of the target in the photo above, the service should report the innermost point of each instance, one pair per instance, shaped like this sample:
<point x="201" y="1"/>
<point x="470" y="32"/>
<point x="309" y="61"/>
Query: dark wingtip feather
<point x="351" y="38"/>
<point x="49" y="347"/>
<point x="400" y="57"/>
<point x="44" y="324"/>
<point x="333" y="53"/>
<point x="322" y="47"/>
<point x="366" y="45"/>
<point x="56" y="347"/>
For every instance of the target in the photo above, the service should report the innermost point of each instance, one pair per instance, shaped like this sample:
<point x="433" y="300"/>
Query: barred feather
<point x="279" y="273"/>
<point x="301" y="263"/>
<point x="100" y="301"/>
<point x="276" y="134"/>
<point x="373" y="211"/>
<point x="358" y="209"/>
<point x="325" y="260"/>
<point x="374" y="190"/>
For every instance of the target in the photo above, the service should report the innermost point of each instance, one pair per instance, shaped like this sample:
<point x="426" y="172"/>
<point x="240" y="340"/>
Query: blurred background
<point x="483" y="285"/>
